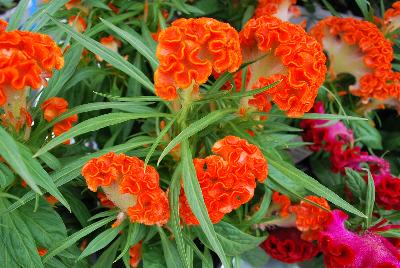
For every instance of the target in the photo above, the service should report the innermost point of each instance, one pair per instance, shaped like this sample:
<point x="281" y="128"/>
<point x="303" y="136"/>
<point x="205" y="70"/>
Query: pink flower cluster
<point x="338" y="141"/>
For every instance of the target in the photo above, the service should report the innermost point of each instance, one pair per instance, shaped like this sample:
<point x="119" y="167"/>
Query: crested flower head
<point x="282" y="9"/>
<point x="135" y="254"/>
<point x="228" y="179"/>
<point x="310" y="219"/>
<point x="286" y="245"/>
<point x="111" y="43"/>
<point x="78" y="23"/>
<point x="344" y="249"/>
<point x="283" y="202"/>
<point x="283" y="51"/>
<point x="190" y="50"/>
<point x="129" y="186"/>
<point x="387" y="191"/>
<point x="392" y="17"/>
<point x="355" y="47"/>
<point x="26" y="60"/>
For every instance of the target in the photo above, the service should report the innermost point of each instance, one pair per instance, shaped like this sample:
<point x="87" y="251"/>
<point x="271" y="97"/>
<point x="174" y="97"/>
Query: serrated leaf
<point x="196" y="202"/>
<point x="108" y="55"/>
<point x="93" y="124"/>
<point x="194" y="128"/>
<point x="75" y="237"/>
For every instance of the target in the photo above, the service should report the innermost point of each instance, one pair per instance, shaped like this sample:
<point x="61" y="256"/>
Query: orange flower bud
<point x="78" y="23"/>
<point x="135" y="252"/>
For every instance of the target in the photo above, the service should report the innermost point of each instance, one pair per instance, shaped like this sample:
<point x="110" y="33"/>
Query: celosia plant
<point x="199" y="134"/>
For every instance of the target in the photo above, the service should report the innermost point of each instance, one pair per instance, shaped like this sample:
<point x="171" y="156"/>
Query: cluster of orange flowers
<point x="55" y="107"/>
<point x="227" y="179"/>
<point x="190" y="50"/>
<point x="130" y="187"/>
<point x="359" y="48"/>
<point x="309" y="218"/>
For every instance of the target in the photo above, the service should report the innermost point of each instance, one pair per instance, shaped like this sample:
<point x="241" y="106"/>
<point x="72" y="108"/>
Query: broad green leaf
<point x="93" y="124"/>
<point x="101" y="241"/>
<point x="45" y="225"/>
<point x="356" y="184"/>
<point x="194" y="128"/>
<point x="106" y="259"/>
<point x="38" y="20"/>
<point x="256" y="258"/>
<point x="10" y="152"/>
<point x="196" y="202"/>
<point x="234" y="241"/>
<point x="367" y="134"/>
<point x="78" y="208"/>
<point x="108" y="55"/>
<point x="152" y="256"/>
<point x="73" y="170"/>
<point x="17" y="16"/>
<point x="17" y="246"/>
<point x="280" y="182"/>
<point x="369" y="199"/>
<point x="69" y="241"/>
<point x="170" y="252"/>
<point x="312" y="185"/>
<point x="135" y="41"/>
<point x="41" y="177"/>
<point x="6" y="176"/>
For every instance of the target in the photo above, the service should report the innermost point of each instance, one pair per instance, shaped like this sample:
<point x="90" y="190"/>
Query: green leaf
<point x="135" y="41"/>
<point x="194" y="128"/>
<point x="331" y="117"/>
<point x="10" y="152"/>
<point x="41" y="177"/>
<point x="93" y="124"/>
<point x="234" y="241"/>
<point x="356" y="184"/>
<point x="367" y="134"/>
<point x="256" y="258"/>
<point x="391" y="233"/>
<point x="45" y="225"/>
<point x="106" y="259"/>
<point x="364" y="6"/>
<point x="17" y="15"/>
<point x="6" y="176"/>
<point x="51" y="161"/>
<point x="69" y="241"/>
<point x="101" y="241"/>
<point x="282" y="183"/>
<point x="152" y="256"/>
<point x="136" y="233"/>
<point x="369" y="199"/>
<point x="38" y="20"/>
<point x="261" y="212"/>
<point x="196" y="202"/>
<point x="170" y="252"/>
<point x="108" y="55"/>
<point x="78" y="208"/>
<point x="17" y="246"/>
<point x="312" y="185"/>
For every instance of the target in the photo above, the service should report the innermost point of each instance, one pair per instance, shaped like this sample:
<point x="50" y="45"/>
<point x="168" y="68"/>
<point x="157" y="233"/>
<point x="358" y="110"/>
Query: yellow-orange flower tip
<point x="310" y="219"/>
<point x="78" y="23"/>
<point x="128" y="186"/>
<point x="283" y="51"/>
<point x="282" y="9"/>
<point x="190" y="50"/>
<point x="26" y="60"/>
<point x="354" y="47"/>
<point x="392" y="17"/>
<point x="227" y="180"/>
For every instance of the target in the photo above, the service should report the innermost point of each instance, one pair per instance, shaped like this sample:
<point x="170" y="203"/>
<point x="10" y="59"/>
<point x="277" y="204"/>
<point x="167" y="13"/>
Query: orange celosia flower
<point x="283" y="202"/>
<point x="53" y="108"/>
<point x="380" y="87"/>
<point x="113" y="7"/>
<point x="111" y="43"/>
<point x="78" y="23"/>
<point x="282" y="51"/>
<point x="51" y="200"/>
<point x="135" y="253"/>
<point x="76" y="4"/>
<point x="42" y="251"/>
<point x="392" y="17"/>
<point x="190" y="50"/>
<point x="132" y="189"/>
<point x="104" y="201"/>
<point x="355" y="47"/>
<point x="26" y="60"/>
<point x="3" y="25"/>
<point x="228" y="179"/>
<point x="282" y="9"/>
<point x="311" y="219"/>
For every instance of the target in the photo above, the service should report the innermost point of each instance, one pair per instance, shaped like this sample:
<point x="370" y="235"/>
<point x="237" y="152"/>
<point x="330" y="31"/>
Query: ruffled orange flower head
<point x="190" y="50"/>
<point x="78" y="23"/>
<point x="129" y="186"/>
<point x="227" y="180"/>
<point x="111" y="43"/>
<point x="283" y="202"/>
<point x="282" y="51"/>
<point x="53" y="108"/>
<point x="384" y="87"/>
<point x="311" y="219"/>
<point x="355" y="47"/>
<point x="392" y="17"/>
<point x="282" y="9"/>
<point x="26" y="60"/>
